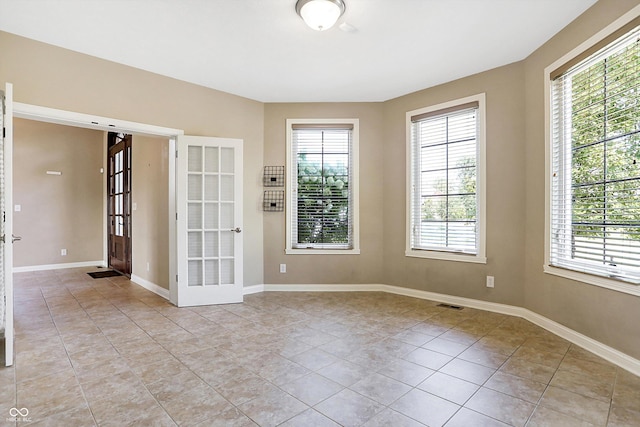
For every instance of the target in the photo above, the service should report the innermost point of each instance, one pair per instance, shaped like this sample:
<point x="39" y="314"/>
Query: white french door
<point x="6" y="224"/>
<point x="209" y="220"/>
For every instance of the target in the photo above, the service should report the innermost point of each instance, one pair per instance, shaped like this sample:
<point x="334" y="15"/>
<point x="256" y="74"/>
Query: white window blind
<point x="444" y="199"/>
<point x="595" y="164"/>
<point x="321" y="203"/>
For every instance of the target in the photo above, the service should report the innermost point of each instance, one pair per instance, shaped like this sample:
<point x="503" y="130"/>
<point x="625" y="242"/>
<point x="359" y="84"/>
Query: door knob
<point x="15" y="238"/>
<point x="237" y="230"/>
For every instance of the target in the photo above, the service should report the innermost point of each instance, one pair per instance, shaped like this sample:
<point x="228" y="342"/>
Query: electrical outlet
<point x="490" y="281"/>
<point x="63" y="252"/>
<point x="283" y="268"/>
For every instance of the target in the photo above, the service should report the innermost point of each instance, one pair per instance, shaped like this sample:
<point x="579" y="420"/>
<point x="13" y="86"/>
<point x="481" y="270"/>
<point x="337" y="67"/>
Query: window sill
<point x="290" y="251"/>
<point x="603" y="282"/>
<point x="446" y="256"/>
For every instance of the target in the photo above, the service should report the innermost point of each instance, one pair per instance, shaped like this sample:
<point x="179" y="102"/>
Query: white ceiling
<point x="261" y="49"/>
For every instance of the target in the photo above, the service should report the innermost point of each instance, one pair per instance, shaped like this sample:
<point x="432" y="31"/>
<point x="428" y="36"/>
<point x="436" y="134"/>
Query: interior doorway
<point x="119" y="201"/>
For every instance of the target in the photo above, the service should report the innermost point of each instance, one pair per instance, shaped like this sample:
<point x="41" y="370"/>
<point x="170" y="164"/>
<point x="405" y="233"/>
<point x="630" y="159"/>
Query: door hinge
<point x="176" y="154"/>
<point x="176" y="278"/>
<point x="4" y="133"/>
<point x="176" y="216"/>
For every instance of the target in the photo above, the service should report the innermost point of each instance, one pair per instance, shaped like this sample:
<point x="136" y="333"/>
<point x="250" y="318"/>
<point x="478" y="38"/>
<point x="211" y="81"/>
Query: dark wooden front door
<point x="119" y="206"/>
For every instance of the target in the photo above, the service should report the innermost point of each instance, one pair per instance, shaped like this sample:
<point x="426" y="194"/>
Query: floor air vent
<point x="454" y="307"/>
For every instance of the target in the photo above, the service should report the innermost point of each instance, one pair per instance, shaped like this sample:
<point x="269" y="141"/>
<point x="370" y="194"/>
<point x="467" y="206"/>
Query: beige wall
<point x="150" y="219"/>
<point x="504" y="89"/>
<point x="58" y="78"/>
<point x="608" y="316"/>
<point x="57" y="211"/>
<point x="329" y="269"/>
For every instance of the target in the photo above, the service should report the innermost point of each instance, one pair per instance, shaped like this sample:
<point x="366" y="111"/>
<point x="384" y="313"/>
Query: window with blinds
<point x="595" y="162"/>
<point x="322" y="203"/>
<point x="444" y="212"/>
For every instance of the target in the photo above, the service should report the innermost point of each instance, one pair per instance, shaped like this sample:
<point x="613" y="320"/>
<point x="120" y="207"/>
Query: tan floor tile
<point x="624" y="416"/>
<point x="604" y="371"/>
<point x="575" y="405"/>
<point x="461" y="337"/>
<point x="468" y="371"/>
<point x="428" y="358"/>
<point x="449" y="388"/>
<point x="626" y="392"/>
<point x="100" y="369"/>
<point x="406" y="372"/>
<point x="528" y="370"/>
<point x="425" y="408"/>
<point x="580" y="353"/>
<point x="483" y="357"/>
<point x="348" y="408"/>
<point x="521" y="388"/>
<point x="380" y="388"/>
<point x="243" y="388"/>
<point x="344" y="373"/>
<point x="314" y="359"/>
<point x="272" y="408"/>
<point x="545" y="358"/>
<point x="413" y="337"/>
<point x="431" y="329"/>
<point x="125" y="382"/>
<point x="445" y="346"/>
<point x="586" y="385"/>
<point x="546" y="417"/>
<point x="502" y="344"/>
<point x="75" y="417"/>
<point x="125" y="409"/>
<point x="50" y="394"/>
<point x="232" y="417"/>
<point x="389" y="417"/>
<point x="120" y="337"/>
<point x="468" y="418"/>
<point x="310" y="418"/>
<point x="500" y="406"/>
<point x="550" y="344"/>
<point x="312" y="389"/>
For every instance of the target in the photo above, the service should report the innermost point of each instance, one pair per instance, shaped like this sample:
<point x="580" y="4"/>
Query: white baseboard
<point x="608" y="353"/>
<point x="255" y="289"/>
<point x="150" y="286"/>
<point x="44" y="267"/>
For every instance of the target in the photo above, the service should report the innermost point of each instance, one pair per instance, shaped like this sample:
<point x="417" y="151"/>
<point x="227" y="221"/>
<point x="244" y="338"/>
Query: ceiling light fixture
<point x="320" y="14"/>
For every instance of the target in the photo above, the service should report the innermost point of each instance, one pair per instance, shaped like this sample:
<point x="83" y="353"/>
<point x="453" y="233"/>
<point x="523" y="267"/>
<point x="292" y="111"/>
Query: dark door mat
<point x="103" y="274"/>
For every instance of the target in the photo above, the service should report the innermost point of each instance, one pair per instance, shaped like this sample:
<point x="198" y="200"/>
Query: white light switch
<point x="17" y="208"/>
<point x="134" y="206"/>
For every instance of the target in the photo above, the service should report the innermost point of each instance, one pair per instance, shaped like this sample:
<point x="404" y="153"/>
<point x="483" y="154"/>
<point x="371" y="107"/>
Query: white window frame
<point x="292" y="171"/>
<point x="601" y="281"/>
<point x="480" y="256"/>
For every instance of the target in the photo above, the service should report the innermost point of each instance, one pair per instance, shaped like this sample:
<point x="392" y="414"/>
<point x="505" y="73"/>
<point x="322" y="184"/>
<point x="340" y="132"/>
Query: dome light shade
<point x="320" y="14"/>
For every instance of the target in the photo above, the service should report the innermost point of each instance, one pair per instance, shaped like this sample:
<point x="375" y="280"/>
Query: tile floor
<point x="107" y="352"/>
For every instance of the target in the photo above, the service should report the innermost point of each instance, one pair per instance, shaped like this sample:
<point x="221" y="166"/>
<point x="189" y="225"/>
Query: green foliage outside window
<point x="323" y="202"/>
<point x="605" y="161"/>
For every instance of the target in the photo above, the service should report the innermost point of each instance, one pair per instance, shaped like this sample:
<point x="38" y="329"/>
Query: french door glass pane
<point x="226" y="271"/>
<point x="211" y="244"/>
<point x="211" y="187"/>
<point x="194" y="221"/>
<point x="211" y="159"/>
<point x="195" y="159"/>
<point x="211" y="272"/>
<point x="226" y="163"/>
<point x="211" y="216"/>
<point x="195" y="273"/>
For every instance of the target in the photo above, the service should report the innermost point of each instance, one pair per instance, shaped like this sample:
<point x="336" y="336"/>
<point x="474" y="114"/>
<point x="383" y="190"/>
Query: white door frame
<point x="88" y="121"/>
<point x="8" y="224"/>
